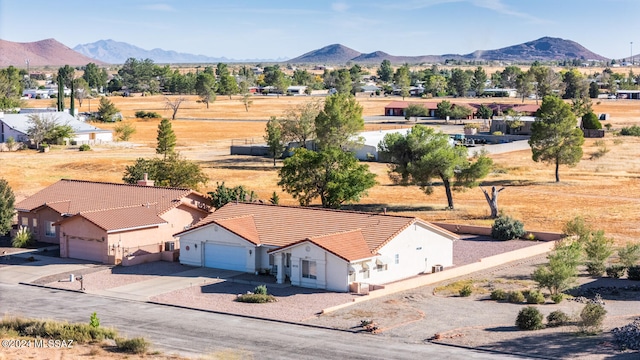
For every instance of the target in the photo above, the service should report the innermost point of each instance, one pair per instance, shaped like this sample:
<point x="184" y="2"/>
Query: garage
<point x="225" y="257"/>
<point x="92" y="250"/>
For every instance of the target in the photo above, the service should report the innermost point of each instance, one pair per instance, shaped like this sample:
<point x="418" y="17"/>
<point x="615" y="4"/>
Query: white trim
<point x="134" y="228"/>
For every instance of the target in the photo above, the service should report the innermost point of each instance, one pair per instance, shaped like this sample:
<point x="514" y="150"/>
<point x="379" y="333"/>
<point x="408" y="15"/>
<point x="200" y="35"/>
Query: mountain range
<point x="52" y="52"/>
<point x="543" y="49"/>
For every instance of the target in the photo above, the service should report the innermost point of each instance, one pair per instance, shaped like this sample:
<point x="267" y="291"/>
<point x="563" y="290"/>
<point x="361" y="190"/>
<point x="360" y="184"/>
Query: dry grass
<point x="606" y="191"/>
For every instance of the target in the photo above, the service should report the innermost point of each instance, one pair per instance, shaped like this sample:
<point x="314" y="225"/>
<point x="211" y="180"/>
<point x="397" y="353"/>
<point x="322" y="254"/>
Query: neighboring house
<point x="628" y="94"/>
<point x="397" y="108"/>
<point x="107" y="222"/>
<point x="502" y="124"/>
<point x="368" y="149"/>
<point x="17" y="126"/>
<point x="316" y="248"/>
<point x="297" y="90"/>
<point x="495" y="92"/>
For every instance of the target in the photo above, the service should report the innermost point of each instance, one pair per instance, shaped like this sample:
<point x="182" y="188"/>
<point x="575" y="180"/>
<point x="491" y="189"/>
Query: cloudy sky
<point x="242" y="29"/>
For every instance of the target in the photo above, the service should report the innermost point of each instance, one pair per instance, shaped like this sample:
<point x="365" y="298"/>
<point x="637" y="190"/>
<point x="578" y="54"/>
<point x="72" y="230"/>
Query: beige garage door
<point x="91" y="250"/>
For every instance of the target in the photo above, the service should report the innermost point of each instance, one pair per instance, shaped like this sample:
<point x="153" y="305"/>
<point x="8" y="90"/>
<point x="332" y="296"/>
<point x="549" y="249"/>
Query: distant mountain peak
<point x="331" y="54"/>
<point x="40" y="53"/>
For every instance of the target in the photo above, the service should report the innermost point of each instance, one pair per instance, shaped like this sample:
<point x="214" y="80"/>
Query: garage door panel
<point x="86" y="250"/>
<point x="225" y="257"/>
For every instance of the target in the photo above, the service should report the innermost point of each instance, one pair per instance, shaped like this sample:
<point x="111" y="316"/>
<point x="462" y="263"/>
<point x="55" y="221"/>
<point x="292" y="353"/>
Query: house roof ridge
<point x="131" y="185"/>
<point x="327" y="210"/>
<point x="155" y="204"/>
<point x="311" y="238"/>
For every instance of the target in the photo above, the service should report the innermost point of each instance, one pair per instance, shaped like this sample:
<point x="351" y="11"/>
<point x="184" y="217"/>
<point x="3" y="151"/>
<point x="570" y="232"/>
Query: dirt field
<point x="605" y="191"/>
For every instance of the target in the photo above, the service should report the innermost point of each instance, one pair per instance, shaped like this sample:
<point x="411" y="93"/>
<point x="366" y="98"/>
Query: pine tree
<point x="7" y="200"/>
<point x="166" y="138"/>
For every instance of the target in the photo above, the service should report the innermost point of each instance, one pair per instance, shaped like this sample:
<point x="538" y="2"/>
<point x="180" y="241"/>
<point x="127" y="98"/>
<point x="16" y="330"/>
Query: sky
<point x="275" y="29"/>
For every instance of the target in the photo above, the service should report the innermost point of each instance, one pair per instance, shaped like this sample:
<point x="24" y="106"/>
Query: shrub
<point x="80" y="333"/>
<point x="132" y="346"/>
<point x="630" y="131"/>
<point x="591" y="318"/>
<point x="590" y="121"/>
<point x="557" y="318"/>
<point x="629" y="254"/>
<point x="529" y="318"/>
<point x="628" y="336"/>
<point x="633" y="273"/>
<point x="616" y="271"/>
<point x="595" y="269"/>
<point x="147" y="115"/>
<point x="515" y="297"/>
<point x="507" y="228"/>
<point x="23" y="238"/>
<point x="497" y="133"/>
<point x="256" y="298"/>
<point x="557" y="298"/>
<point x="85" y="147"/>
<point x="94" y="321"/>
<point x="498" y="294"/>
<point x="466" y="291"/>
<point x="260" y="290"/>
<point x="535" y="297"/>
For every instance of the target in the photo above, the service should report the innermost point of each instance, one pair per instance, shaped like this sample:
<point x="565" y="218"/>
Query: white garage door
<point x="87" y="250"/>
<point x="225" y="257"/>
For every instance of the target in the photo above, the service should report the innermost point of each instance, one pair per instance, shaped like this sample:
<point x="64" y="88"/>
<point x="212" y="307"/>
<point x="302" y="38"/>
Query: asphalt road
<point x="195" y="333"/>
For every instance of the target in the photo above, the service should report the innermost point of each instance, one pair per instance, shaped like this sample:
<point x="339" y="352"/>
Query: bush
<point x="80" y="333"/>
<point x="498" y="294"/>
<point x="590" y="121"/>
<point x="633" y="273"/>
<point x="591" y="318"/>
<point x="630" y="131"/>
<point x="147" y="115"/>
<point x="132" y="346"/>
<point x="557" y="298"/>
<point x="529" y="318"/>
<point x="535" y="297"/>
<point x="85" y="147"/>
<point x="23" y="238"/>
<point x="94" y="321"/>
<point x="628" y="336"/>
<point x="557" y="318"/>
<point x="466" y="291"/>
<point x="595" y="269"/>
<point x="260" y="290"/>
<point x="516" y="297"/>
<point x="616" y="271"/>
<point x="256" y="298"/>
<point x="629" y="254"/>
<point x="497" y="133"/>
<point x="507" y="228"/>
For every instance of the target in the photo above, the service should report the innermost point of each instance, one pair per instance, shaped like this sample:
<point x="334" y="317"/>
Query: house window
<point x="381" y="267"/>
<point x="397" y="259"/>
<point x="34" y="221"/>
<point x="25" y="221"/>
<point x="365" y="273"/>
<point x="50" y="230"/>
<point x="308" y="269"/>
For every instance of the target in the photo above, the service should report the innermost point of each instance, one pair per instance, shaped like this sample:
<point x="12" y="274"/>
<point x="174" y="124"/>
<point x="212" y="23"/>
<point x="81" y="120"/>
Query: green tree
<point x="343" y="84"/>
<point x="485" y="112"/>
<point x="508" y="77"/>
<point x="339" y="121"/>
<point x="546" y="80"/>
<point x="333" y="175"/>
<point x="590" y="121"/>
<point x="45" y="128"/>
<point x="575" y="85"/>
<point x="415" y="110"/>
<point x="402" y="80"/>
<point x="298" y="124"/>
<point x="385" y="71"/>
<point x="124" y="131"/>
<point x="459" y="82"/>
<point x="227" y="84"/>
<point x="524" y="85"/>
<point x="7" y="210"/>
<point x="66" y="73"/>
<point x="94" y="76"/>
<point x="274" y="139"/>
<point x="555" y="138"/>
<point x="81" y="90"/>
<point x="423" y="155"/>
<point x="224" y="195"/>
<point x="106" y="109"/>
<point x="166" y="139"/>
<point x="629" y="255"/>
<point x="443" y="109"/>
<point x="594" y="90"/>
<point x="478" y="81"/>
<point x="10" y="89"/>
<point x="597" y="248"/>
<point x="206" y="88"/>
<point x="174" y="171"/>
<point x="141" y="75"/>
<point x="562" y="270"/>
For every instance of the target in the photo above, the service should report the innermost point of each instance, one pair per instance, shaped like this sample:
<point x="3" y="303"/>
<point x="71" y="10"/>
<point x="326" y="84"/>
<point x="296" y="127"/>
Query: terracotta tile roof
<point x="139" y="216"/>
<point x="74" y="196"/>
<point x="405" y="104"/>
<point x="348" y="245"/>
<point x="284" y="225"/>
<point x="243" y="226"/>
<point x="529" y="108"/>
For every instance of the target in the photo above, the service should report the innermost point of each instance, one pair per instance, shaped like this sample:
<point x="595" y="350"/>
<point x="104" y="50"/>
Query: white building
<point x="368" y="150"/>
<point x="316" y="248"/>
<point x="17" y="126"/>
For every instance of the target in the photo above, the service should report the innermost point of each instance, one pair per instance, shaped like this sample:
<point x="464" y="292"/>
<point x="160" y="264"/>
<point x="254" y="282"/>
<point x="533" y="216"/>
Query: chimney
<point x="145" y="181"/>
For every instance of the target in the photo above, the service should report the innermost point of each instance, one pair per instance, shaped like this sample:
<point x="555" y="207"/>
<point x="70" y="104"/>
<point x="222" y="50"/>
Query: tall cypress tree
<point x="72" y="106"/>
<point x="60" y="93"/>
<point x="166" y="138"/>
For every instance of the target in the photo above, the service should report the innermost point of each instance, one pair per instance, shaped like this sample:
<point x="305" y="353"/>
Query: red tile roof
<point x="349" y="245"/>
<point x="243" y="226"/>
<point x="139" y="216"/>
<point x="405" y="104"/>
<point x="285" y="225"/>
<point x="74" y="196"/>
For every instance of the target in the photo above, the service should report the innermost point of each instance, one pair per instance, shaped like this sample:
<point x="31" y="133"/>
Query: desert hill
<point x="40" y="53"/>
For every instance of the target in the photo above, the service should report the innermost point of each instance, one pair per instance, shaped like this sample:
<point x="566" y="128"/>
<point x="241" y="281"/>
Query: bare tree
<point x="492" y="200"/>
<point x="173" y="105"/>
<point x="246" y="100"/>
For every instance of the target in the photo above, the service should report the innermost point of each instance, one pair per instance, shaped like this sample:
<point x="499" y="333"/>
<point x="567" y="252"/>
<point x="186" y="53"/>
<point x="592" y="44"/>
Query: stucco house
<point x="17" y="126"/>
<point x="316" y="248"/>
<point x="108" y="222"/>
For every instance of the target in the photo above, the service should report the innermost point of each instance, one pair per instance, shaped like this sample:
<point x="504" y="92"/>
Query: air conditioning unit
<point x="436" y="268"/>
<point x="169" y="246"/>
